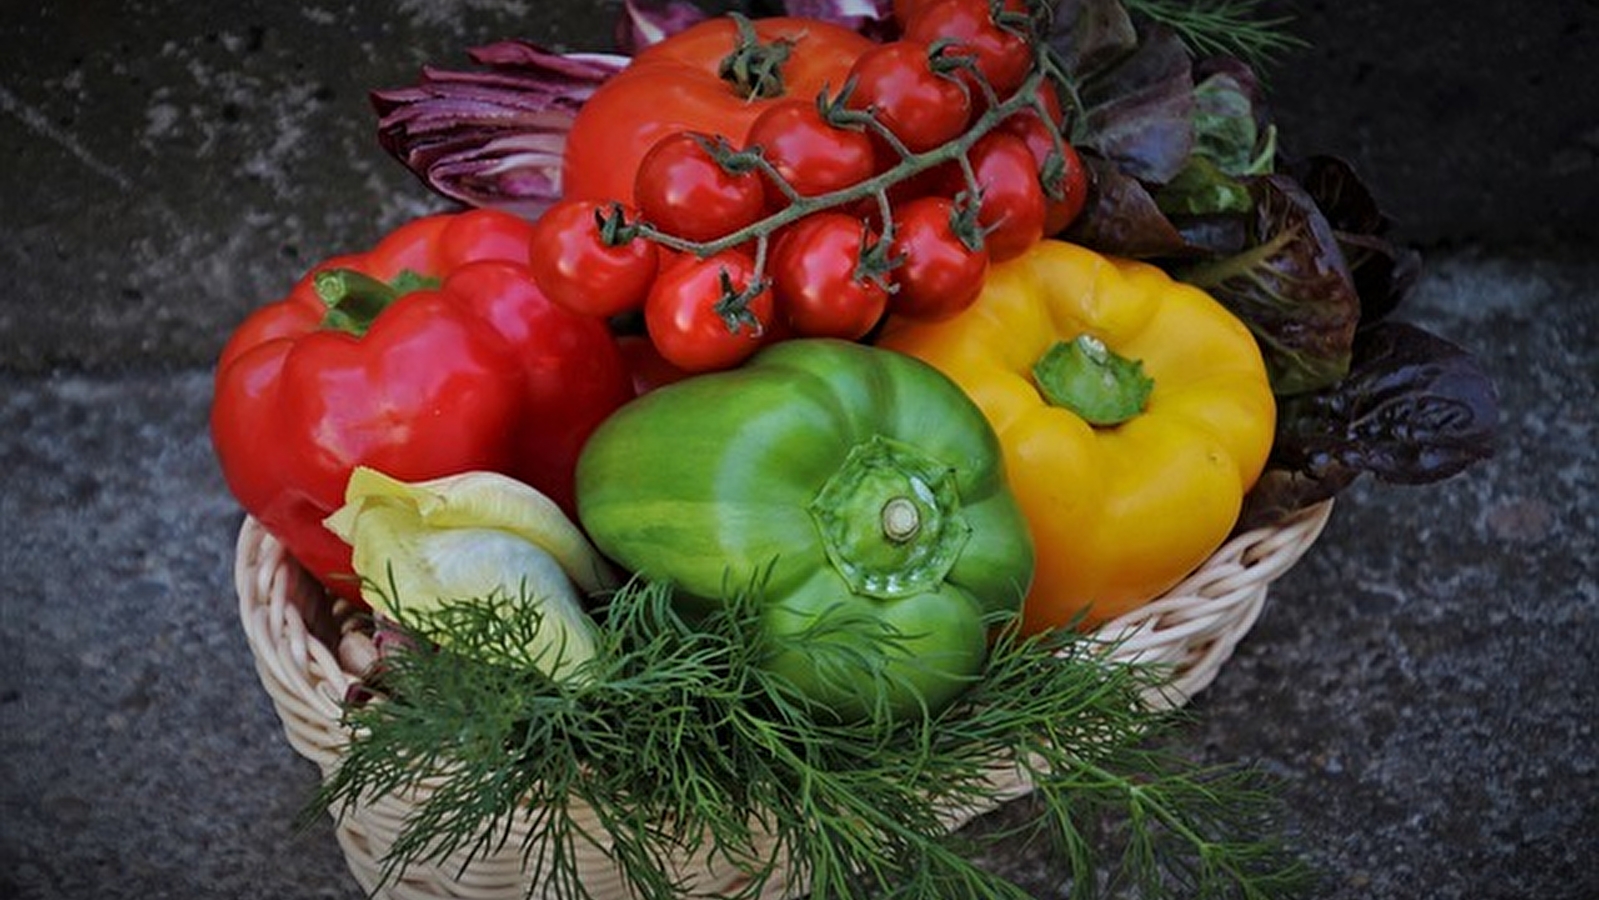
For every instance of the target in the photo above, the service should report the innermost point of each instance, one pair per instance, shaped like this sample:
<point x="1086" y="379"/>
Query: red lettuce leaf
<point x="1138" y="111"/>
<point x="1414" y="409"/>
<point x="1384" y="272"/>
<point x="1291" y="286"/>
<point x="1121" y="217"/>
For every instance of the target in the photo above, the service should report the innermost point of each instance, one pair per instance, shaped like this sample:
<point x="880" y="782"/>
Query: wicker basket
<point x="294" y="636"/>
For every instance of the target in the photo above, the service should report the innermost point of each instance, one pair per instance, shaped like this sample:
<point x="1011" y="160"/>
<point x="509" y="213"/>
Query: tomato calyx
<point x="612" y="223"/>
<point x="948" y="58"/>
<point x="877" y="260"/>
<point x="355" y="299"/>
<point x="964" y="221"/>
<point x="734" y="306"/>
<point x="754" y="70"/>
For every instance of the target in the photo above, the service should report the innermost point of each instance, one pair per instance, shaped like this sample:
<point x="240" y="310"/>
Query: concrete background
<point x="1424" y="683"/>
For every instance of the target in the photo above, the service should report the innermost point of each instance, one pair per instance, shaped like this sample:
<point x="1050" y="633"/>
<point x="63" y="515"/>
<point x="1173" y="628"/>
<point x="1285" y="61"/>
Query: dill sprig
<point x="677" y="741"/>
<point x="1222" y="27"/>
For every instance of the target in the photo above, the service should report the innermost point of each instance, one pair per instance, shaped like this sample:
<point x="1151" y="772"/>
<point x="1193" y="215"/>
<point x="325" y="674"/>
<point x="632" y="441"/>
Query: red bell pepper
<point x="432" y="354"/>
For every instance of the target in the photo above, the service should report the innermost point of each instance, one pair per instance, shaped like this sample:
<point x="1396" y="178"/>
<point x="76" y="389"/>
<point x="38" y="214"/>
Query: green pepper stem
<point x="890" y="519"/>
<point x="1101" y="386"/>
<point x="901" y="521"/>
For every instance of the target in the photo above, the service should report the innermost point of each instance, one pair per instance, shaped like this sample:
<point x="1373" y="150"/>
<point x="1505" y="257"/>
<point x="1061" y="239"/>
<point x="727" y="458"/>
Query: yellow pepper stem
<point x="1101" y="386"/>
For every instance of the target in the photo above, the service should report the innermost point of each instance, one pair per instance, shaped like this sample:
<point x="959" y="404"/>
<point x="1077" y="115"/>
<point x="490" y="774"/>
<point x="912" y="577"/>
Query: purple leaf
<point x="1414" y="409"/>
<point x="1291" y="285"/>
<point x="1139" y="111"/>
<point x="492" y="138"/>
<point x="647" y="22"/>
<point x="870" y="17"/>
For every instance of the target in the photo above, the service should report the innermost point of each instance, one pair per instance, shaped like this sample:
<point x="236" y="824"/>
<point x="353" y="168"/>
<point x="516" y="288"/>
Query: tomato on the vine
<point x="678" y="85"/>
<point x="821" y="287"/>
<point x="899" y="83"/>
<point x="701" y="314"/>
<point x="577" y="267"/>
<point x="938" y="274"/>
<point x="685" y="191"/>
<point x="1061" y="171"/>
<point x="1002" y="56"/>
<point x="1011" y="209"/>
<point x="811" y="154"/>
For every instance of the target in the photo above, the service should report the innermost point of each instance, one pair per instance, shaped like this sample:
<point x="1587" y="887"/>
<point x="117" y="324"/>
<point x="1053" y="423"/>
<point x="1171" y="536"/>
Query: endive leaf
<point x="489" y="500"/>
<point x="476" y="537"/>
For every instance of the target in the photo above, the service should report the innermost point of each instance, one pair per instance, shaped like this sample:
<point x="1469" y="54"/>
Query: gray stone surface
<point x="1424" y="683"/>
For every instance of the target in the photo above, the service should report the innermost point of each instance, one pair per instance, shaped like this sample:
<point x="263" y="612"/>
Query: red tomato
<point x="815" y="269"/>
<point x="578" y="269"/>
<point x="686" y="314"/>
<point x="1012" y="198"/>
<point x="1003" y="57"/>
<point x="1062" y="174"/>
<point x="813" y="156"/>
<point x="921" y="107"/>
<point x="938" y="275"/>
<point x="676" y="85"/>
<point x="685" y="192"/>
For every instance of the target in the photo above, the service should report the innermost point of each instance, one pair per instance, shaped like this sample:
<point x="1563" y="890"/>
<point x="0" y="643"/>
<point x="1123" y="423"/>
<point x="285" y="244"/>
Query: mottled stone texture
<point x="1423" y="684"/>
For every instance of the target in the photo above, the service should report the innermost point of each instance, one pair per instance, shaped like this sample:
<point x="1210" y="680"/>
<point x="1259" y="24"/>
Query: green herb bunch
<point x="679" y="744"/>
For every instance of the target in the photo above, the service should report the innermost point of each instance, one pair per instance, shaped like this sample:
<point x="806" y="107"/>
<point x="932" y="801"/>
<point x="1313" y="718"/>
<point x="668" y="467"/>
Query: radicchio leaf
<point x="492" y="138"/>
<point x="1291" y="286"/>
<point x="1414" y="409"/>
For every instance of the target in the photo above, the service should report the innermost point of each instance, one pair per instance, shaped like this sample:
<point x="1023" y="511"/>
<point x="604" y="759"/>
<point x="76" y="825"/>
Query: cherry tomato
<point x="1003" y="57"/>
<point x="921" y="107"/>
<point x="1012" y="198"/>
<point x="1061" y="171"/>
<point x="817" y="279"/>
<point x="685" y="316"/>
<point x="938" y="275"/>
<point x="676" y="85"/>
<point x="578" y="269"/>
<point x="812" y="155"/>
<point x="685" y="192"/>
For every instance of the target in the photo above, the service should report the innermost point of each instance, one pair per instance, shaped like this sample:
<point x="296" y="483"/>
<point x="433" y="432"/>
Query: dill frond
<point x="1222" y="27"/>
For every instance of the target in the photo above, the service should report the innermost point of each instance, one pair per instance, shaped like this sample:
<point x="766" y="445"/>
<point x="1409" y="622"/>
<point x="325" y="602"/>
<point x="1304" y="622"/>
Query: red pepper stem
<point x="355" y="299"/>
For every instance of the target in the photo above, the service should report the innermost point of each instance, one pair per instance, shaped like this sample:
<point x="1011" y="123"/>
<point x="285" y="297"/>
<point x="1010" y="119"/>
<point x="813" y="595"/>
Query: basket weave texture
<point x="294" y="635"/>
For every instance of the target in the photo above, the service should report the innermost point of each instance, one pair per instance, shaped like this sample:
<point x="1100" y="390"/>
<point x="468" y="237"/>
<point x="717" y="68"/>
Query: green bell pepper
<point x="859" y="487"/>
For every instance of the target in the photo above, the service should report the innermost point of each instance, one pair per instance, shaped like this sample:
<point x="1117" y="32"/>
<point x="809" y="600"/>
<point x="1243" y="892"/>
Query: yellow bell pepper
<point x="1134" y="412"/>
